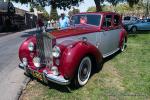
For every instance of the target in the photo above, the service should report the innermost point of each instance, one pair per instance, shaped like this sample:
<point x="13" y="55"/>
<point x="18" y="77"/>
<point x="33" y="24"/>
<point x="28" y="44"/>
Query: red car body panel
<point x="123" y="34"/>
<point x="76" y="30"/>
<point x="72" y="56"/>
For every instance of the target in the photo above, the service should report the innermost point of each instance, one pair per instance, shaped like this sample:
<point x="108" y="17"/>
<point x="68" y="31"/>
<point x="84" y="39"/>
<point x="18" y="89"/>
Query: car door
<point x="147" y="25"/>
<point x="143" y="25"/>
<point x="109" y="37"/>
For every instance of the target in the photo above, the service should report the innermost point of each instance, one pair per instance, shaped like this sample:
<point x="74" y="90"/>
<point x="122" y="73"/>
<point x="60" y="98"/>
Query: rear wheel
<point x="83" y="72"/>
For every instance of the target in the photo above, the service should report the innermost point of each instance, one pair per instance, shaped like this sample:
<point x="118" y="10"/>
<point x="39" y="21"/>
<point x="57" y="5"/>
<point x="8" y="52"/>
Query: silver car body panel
<point x="107" y="41"/>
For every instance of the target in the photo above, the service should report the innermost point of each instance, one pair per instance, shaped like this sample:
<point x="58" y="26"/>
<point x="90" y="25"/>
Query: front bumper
<point x="56" y="79"/>
<point x="59" y="79"/>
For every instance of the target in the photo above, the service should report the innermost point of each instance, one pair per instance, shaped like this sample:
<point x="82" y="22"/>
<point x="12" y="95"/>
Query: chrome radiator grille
<point x="44" y="49"/>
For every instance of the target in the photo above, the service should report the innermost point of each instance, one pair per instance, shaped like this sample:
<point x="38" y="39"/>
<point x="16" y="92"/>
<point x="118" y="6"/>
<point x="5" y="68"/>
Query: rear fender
<point x="23" y="50"/>
<point x="123" y="34"/>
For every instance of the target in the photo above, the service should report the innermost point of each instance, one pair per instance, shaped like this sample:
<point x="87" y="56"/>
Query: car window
<point x="134" y="18"/>
<point x="148" y="20"/>
<point x="107" y="21"/>
<point x="127" y="18"/>
<point x="116" y="20"/>
<point x="1" y="21"/>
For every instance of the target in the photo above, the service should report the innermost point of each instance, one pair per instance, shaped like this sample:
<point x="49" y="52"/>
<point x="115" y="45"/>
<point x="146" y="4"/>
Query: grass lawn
<point x="124" y="76"/>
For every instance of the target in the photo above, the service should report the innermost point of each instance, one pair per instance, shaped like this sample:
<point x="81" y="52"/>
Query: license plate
<point x="37" y="75"/>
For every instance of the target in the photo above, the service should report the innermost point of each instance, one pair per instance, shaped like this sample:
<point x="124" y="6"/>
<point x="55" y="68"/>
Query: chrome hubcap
<point x="84" y="71"/>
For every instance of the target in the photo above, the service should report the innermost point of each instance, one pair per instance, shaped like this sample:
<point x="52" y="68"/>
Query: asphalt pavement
<point x="12" y="78"/>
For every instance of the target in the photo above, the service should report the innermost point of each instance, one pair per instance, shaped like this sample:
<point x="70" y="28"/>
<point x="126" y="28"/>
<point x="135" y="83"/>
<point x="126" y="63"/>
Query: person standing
<point x="63" y="21"/>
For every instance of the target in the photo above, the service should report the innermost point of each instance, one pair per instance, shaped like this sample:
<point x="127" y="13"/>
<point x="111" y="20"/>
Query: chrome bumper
<point x="50" y="77"/>
<point x="56" y="79"/>
<point x="22" y="66"/>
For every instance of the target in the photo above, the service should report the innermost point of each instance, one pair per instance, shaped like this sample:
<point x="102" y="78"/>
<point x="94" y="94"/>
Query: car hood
<point x="75" y="30"/>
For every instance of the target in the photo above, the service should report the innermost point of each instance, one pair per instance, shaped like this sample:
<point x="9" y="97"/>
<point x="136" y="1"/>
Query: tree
<point x="91" y="9"/>
<point x="41" y="9"/>
<point x="74" y="11"/>
<point x="53" y="14"/>
<point x="63" y="4"/>
<point x="113" y="2"/>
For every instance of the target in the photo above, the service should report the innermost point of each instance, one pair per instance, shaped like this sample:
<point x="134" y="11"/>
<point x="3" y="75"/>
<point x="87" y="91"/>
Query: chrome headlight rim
<point x="56" y="52"/>
<point x="31" y="46"/>
<point x="37" y="62"/>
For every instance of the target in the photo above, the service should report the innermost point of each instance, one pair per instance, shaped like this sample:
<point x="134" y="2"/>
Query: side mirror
<point x="103" y="29"/>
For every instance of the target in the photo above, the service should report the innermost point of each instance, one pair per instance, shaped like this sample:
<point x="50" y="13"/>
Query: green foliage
<point x="74" y="11"/>
<point x="62" y="4"/>
<point x="53" y="14"/>
<point x="91" y="9"/>
<point x="113" y="2"/>
<point x="42" y="9"/>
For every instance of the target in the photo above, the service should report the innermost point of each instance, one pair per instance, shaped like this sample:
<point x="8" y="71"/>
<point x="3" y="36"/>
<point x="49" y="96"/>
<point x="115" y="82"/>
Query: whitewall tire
<point x="83" y="72"/>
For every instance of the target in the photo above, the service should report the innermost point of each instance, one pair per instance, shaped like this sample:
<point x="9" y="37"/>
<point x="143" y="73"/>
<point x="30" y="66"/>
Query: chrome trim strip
<point x="108" y="54"/>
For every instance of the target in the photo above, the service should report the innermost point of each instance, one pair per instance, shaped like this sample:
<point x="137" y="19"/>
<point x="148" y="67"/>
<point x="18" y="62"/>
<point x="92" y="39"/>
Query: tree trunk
<point x="147" y="8"/>
<point x="98" y="6"/>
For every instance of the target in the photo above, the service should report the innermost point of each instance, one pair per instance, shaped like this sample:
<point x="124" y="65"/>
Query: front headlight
<point x="31" y="46"/>
<point x="56" y="52"/>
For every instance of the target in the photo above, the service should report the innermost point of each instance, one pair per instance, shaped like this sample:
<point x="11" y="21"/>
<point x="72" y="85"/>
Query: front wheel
<point x="83" y="72"/>
<point x="134" y="29"/>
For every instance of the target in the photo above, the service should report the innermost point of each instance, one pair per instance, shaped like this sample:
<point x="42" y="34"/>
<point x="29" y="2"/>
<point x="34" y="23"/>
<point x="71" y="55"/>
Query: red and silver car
<point x="69" y="55"/>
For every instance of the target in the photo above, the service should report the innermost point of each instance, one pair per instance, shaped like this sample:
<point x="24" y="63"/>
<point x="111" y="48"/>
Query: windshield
<point x="86" y="19"/>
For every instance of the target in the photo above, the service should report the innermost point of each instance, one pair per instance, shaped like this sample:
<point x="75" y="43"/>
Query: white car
<point x="129" y="20"/>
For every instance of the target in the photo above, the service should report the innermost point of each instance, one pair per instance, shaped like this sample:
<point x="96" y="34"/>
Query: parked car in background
<point x="129" y="20"/>
<point x="140" y="25"/>
<point x="69" y="55"/>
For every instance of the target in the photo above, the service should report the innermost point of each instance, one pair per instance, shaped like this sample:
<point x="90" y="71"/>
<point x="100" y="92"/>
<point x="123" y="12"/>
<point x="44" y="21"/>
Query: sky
<point x="83" y="6"/>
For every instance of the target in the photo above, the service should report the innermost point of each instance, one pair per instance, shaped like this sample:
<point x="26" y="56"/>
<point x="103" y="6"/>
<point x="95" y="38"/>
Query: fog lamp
<point x="24" y="61"/>
<point x="54" y="70"/>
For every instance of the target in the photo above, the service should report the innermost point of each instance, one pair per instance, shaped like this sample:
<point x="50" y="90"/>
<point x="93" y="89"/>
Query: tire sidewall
<point x="134" y="29"/>
<point x="79" y="82"/>
<point x="123" y="45"/>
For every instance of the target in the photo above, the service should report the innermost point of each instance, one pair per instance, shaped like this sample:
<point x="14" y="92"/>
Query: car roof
<point x="98" y="13"/>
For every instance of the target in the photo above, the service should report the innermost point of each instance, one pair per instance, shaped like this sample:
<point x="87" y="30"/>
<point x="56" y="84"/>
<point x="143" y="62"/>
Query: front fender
<point x="73" y="54"/>
<point x="23" y="49"/>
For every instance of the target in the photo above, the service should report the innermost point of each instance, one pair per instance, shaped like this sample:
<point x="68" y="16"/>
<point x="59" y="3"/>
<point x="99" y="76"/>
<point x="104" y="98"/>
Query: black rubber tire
<point x="134" y="29"/>
<point x="79" y="80"/>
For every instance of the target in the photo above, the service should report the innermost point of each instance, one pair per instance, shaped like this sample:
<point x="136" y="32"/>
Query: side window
<point x="116" y="20"/>
<point x="148" y="20"/>
<point x="1" y="21"/>
<point x="107" y="21"/>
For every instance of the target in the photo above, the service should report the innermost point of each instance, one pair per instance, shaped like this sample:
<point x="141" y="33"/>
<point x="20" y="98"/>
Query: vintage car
<point x="69" y="55"/>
